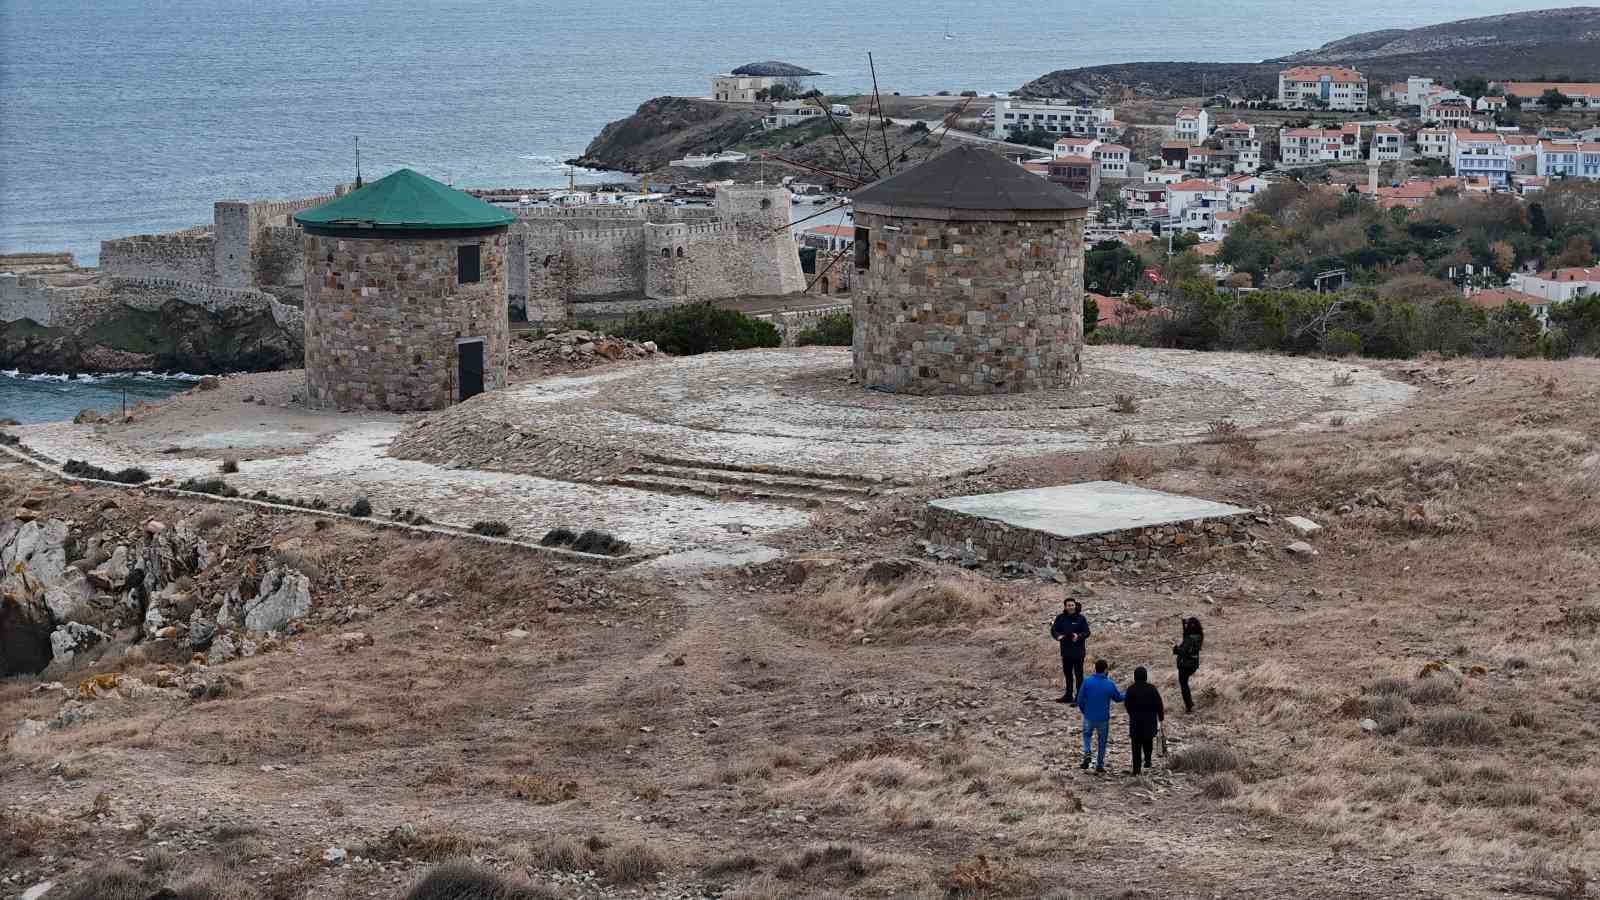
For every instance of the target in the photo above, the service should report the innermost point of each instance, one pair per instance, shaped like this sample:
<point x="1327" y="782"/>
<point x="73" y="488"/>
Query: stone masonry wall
<point x="186" y="255"/>
<point x="382" y="317"/>
<point x="992" y="541"/>
<point x="278" y="256"/>
<point x="956" y="307"/>
<point x="790" y="324"/>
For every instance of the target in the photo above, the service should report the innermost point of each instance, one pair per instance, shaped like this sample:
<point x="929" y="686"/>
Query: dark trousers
<point x="1183" y="682"/>
<point x="1142" y="745"/>
<point x="1072" y="671"/>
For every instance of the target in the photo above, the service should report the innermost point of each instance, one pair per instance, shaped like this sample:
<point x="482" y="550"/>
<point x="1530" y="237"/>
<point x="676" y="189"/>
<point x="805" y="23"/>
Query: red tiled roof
<point x="1112" y="147"/>
<point x="843" y="231"/>
<point x="1535" y="89"/>
<point x="1573" y="273"/>
<point x="1195" y="184"/>
<point x="1497" y="299"/>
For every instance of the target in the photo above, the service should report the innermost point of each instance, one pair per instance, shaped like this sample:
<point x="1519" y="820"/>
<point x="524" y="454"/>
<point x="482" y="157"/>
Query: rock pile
<point x="571" y="351"/>
<point x="65" y="594"/>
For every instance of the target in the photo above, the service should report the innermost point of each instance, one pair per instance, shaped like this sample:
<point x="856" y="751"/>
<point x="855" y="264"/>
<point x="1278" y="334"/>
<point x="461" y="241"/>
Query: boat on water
<point x="701" y="160"/>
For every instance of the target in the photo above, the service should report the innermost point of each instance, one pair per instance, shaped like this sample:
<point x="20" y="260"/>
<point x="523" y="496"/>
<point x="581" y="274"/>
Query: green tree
<point x="1536" y="220"/>
<point x="1111" y="268"/>
<point x="1091" y="314"/>
<point x="1554" y="100"/>
<point x="1472" y="87"/>
<point x="1252" y="245"/>
<point x="1034" y="137"/>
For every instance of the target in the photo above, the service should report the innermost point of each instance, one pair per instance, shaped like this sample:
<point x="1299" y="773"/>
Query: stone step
<point x="836" y="477"/>
<point x="797" y="483"/>
<point x="662" y="484"/>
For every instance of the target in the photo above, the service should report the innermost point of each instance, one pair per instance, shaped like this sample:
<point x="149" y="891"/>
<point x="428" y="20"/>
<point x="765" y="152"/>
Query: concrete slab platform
<point x="1089" y="508"/>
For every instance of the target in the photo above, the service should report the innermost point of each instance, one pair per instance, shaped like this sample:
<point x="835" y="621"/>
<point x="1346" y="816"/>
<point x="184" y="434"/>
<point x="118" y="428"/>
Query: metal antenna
<point x="358" y="162"/>
<point x="883" y="120"/>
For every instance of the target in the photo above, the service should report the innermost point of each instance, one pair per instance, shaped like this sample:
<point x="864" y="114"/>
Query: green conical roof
<point x="409" y="201"/>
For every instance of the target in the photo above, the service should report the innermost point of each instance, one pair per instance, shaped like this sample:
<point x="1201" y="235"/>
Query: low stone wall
<point x="790" y="324"/>
<point x="31" y="297"/>
<point x="153" y="293"/>
<point x="991" y="541"/>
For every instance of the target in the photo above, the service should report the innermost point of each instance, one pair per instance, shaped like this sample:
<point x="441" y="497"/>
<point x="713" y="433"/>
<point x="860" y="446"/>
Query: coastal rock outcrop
<point x="669" y="128"/>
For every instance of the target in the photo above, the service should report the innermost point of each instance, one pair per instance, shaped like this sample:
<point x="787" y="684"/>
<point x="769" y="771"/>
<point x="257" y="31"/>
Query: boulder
<point x="112" y="574"/>
<point x="72" y="639"/>
<point x="201" y="631"/>
<point x="1301" y="525"/>
<point x="222" y="650"/>
<point x="70" y="598"/>
<point x="32" y="554"/>
<point x="1301" y="548"/>
<point x="284" y="595"/>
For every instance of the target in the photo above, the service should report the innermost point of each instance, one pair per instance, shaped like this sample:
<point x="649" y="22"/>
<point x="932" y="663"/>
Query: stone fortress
<point x="573" y="263"/>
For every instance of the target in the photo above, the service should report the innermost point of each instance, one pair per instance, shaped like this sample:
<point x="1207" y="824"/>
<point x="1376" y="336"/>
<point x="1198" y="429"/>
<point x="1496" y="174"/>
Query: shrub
<point x="826" y="864"/>
<point x="1523" y="718"/>
<point x="982" y="877"/>
<point x="558" y="537"/>
<point x="81" y="469"/>
<point x="1343" y="379"/>
<point x="214" y="486"/>
<point x="229" y="465"/>
<point x="404" y="841"/>
<point x="114" y="882"/>
<point x="361" y="508"/>
<point x="1431" y="691"/>
<point x="1224" y="786"/>
<point x="700" y="328"/>
<point x="1126" y="465"/>
<point x="542" y="789"/>
<point x="632" y="863"/>
<point x="1126" y="403"/>
<point x="1222" y="431"/>
<point x="491" y="528"/>
<point x="601" y="542"/>
<point x="1339" y="342"/>
<point x="466" y="881"/>
<point x="1456" y="727"/>
<point x="9" y="439"/>
<point x="832" y="330"/>
<point x="1207" y="759"/>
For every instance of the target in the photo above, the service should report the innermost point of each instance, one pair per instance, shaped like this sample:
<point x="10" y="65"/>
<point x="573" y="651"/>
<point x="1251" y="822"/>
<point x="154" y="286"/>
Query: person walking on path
<point x="1071" y="631"/>
<point x="1095" y="699"/>
<point x="1188" y="653"/>
<point x="1145" y="712"/>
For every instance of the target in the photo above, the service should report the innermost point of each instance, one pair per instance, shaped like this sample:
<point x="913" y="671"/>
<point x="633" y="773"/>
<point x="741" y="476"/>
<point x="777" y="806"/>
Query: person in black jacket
<point x="1071" y="631"/>
<point x="1145" y="713"/>
<point x="1188" y="653"/>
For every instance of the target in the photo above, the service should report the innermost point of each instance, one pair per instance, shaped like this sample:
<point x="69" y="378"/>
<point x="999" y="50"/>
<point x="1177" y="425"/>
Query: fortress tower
<point x="405" y="296"/>
<point x="969" y="279"/>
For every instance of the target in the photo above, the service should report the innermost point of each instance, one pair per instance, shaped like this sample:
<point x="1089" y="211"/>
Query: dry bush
<point x="1523" y="718"/>
<point x="1207" y="759"/>
<point x="729" y="865"/>
<point x="212" y="882"/>
<point x="467" y="881"/>
<point x="982" y="877"/>
<point x="1185" y="457"/>
<point x="542" y="789"/>
<point x="1222" y="431"/>
<point x="1392" y="711"/>
<point x="405" y="842"/>
<point x="1125" y="403"/>
<point x="632" y="863"/>
<point x="1224" y="786"/>
<point x="1343" y="379"/>
<point x="559" y="853"/>
<point x="1455" y="728"/>
<point x="1124" y="466"/>
<point x="830" y="864"/>
<point x="209" y="520"/>
<point x="116" y="881"/>
<point x="229" y="465"/>
<point x="900" y="611"/>
<point x="1433" y="691"/>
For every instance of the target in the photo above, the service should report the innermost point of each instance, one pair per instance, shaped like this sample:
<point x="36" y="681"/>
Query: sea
<point x="122" y="117"/>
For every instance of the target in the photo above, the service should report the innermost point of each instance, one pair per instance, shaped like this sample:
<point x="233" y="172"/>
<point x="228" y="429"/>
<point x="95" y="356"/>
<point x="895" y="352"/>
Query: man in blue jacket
<point x="1095" y="699"/>
<point x="1071" y="631"/>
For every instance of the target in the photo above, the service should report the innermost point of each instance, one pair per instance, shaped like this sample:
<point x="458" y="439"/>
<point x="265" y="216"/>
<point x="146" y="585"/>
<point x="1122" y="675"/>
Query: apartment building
<point x="1583" y="95"/>
<point x="1322" y="87"/>
<point x="1113" y="159"/>
<point x="1388" y="143"/>
<point x="1434" y="143"/>
<point x="1192" y="205"/>
<point x="1299" y="146"/>
<point x="1558" y="285"/>
<point x="1481" y="155"/>
<point x="1076" y="173"/>
<point x="1239" y="140"/>
<point x="1451" y="112"/>
<point x="1146" y="199"/>
<point x="1193" y="124"/>
<point x="1056" y="116"/>
<point x="1568" y="160"/>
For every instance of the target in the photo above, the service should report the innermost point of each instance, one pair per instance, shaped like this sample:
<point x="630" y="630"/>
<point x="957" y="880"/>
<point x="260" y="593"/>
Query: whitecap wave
<point x="93" y="377"/>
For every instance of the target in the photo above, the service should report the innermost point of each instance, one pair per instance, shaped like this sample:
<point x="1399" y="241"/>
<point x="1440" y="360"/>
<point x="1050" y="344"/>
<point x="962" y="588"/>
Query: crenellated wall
<point x="186" y="255"/>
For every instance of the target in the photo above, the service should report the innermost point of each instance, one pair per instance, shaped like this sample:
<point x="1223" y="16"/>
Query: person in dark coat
<point x="1145" y="713"/>
<point x="1188" y="653"/>
<point x="1071" y="631"/>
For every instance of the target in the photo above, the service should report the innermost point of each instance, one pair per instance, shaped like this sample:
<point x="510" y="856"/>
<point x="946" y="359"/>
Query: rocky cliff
<point x="1524" y="45"/>
<point x="669" y="128"/>
<point x="177" y="336"/>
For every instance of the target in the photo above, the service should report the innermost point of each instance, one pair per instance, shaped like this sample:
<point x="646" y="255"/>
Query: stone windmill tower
<point x="970" y="275"/>
<point x="405" y="298"/>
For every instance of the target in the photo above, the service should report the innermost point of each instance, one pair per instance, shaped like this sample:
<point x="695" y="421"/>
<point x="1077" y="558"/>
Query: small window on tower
<point x="467" y="264"/>
<point x="863" y="248"/>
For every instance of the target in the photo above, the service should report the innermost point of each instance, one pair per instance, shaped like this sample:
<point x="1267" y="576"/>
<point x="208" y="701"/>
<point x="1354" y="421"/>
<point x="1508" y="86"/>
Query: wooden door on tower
<point x="469" y="360"/>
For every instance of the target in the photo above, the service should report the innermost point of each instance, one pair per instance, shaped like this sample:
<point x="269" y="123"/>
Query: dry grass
<point x="542" y="789"/>
<point x="1125" y="403"/>
<point x="921" y="605"/>
<point x="1206" y="759"/>
<point x="1456" y="728"/>
<point x="467" y="881"/>
<point x="632" y="863"/>
<point x="1125" y="466"/>
<point x="983" y="877"/>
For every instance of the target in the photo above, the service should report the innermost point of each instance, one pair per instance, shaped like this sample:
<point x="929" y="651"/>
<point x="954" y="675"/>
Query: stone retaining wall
<point x="992" y="541"/>
<point x="184" y="255"/>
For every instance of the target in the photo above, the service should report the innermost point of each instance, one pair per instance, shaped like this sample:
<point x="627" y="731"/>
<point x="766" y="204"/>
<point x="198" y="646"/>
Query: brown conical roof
<point x="967" y="183"/>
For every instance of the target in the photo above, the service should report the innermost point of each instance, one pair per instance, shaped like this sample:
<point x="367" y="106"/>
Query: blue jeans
<point x="1103" y="727"/>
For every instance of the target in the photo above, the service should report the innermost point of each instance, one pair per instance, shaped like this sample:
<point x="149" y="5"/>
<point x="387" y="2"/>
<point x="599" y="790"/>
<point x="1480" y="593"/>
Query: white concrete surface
<point x="1092" y="507"/>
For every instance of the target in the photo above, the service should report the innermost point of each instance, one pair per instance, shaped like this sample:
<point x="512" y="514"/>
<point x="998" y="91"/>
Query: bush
<point x="214" y="486"/>
<point x="832" y="330"/>
<point x="9" y="439"/>
<point x="491" y="528"/>
<point x="558" y="537"/>
<point x="229" y="465"/>
<point x="632" y="863"/>
<point x="1207" y="759"/>
<point x="1431" y="691"/>
<point x="467" y="881"/>
<point x="1225" y="786"/>
<point x="361" y="508"/>
<point x="602" y="542"/>
<point x="1126" y="403"/>
<point x="1339" y="342"/>
<point x="81" y="469"/>
<point x="1457" y="728"/>
<point x="700" y="328"/>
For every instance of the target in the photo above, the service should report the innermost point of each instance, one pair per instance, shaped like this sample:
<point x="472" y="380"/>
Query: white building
<point x="1449" y="112"/>
<point x="1076" y="146"/>
<point x="1194" y="125"/>
<point x="1318" y="145"/>
<point x="1329" y="87"/>
<point x="1558" y="285"/>
<point x="1434" y="143"/>
<point x="1110" y="130"/>
<point x="751" y="82"/>
<point x="1388" y="143"/>
<point x="1239" y="140"/>
<point x="1531" y="93"/>
<point x="1056" y="116"/>
<point x="790" y="113"/>
<point x="1192" y="205"/>
<point x="1113" y="159"/>
<point x="1145" y="200"/>
<point x="1477" y="154"/>
<point x="1569" y="160"/>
